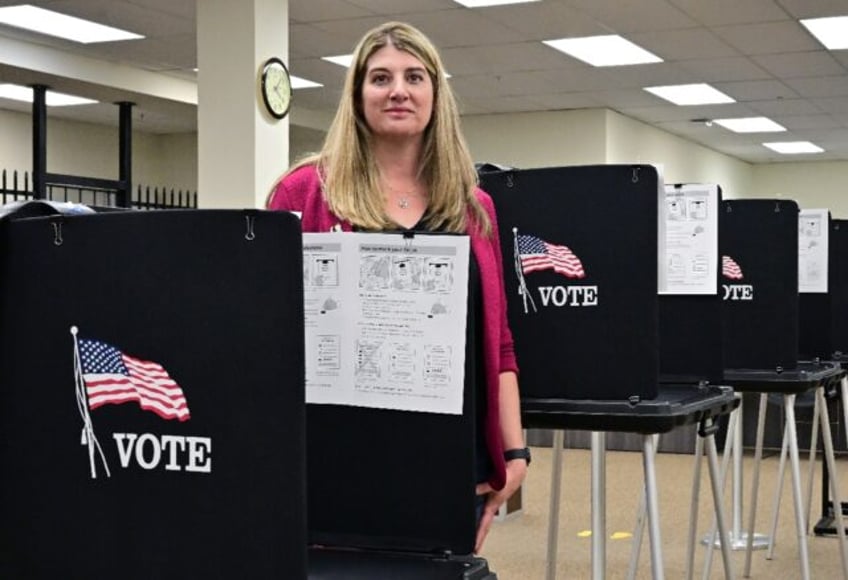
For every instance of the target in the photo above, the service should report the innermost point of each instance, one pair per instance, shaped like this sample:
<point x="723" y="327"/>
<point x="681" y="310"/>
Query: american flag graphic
<point x="730" y="269"/>
<point x="112" y="377"/>
<point x="537" y="254"/>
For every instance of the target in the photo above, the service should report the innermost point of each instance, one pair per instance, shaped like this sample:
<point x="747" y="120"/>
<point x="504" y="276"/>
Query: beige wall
<point x="812" y="185"/>
<point x="527" y="140"/>
<point x="523" y="140"/>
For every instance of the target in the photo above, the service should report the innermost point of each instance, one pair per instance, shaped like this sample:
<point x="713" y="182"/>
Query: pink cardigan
<point x="301" y="191"/>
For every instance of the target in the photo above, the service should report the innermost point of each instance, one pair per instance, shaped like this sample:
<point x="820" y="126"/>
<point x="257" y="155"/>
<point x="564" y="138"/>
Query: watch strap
<point x="519" y="453"/>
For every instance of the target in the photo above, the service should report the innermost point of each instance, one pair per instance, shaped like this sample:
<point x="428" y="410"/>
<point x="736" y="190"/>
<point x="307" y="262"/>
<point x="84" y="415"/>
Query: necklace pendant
<point x="403" y="203"/>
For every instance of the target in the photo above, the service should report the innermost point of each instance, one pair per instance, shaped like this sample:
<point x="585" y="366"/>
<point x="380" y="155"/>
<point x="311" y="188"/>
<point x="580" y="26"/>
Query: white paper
<point x="691" y="239"/>
<point x="813" y="234"/>
<point x="385" y="320"/>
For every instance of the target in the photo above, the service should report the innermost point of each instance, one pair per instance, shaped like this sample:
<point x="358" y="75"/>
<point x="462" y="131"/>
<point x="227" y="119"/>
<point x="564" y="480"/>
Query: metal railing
<point x="15" y="186"/>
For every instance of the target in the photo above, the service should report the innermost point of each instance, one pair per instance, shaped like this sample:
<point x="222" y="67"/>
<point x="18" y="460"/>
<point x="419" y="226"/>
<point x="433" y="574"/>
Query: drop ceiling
<point x="756" y="51"/>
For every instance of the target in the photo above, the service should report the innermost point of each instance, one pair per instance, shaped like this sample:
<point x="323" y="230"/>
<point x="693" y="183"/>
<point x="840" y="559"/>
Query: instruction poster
<point x="813" y="230"/>
<point x="691" y="239"/>
<point x="385" y="320"/>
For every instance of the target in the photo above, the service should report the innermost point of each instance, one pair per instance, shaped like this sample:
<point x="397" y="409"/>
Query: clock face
<point x="276" y="88"/>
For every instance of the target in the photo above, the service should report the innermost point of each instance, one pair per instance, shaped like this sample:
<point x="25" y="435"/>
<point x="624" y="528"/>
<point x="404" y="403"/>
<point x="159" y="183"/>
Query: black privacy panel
<point x="815" y="332"/>
<point x="690" y="331"/>
<point x="690" y="338"/>
<point x="759" y="247"/>
<point x="580" y="264"/>
<point x="383" y="479"/>
<point x="838" y="286"/>
<point x="164" y="439"/>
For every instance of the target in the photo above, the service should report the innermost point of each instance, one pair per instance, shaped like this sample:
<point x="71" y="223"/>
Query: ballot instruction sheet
<point x="813" y="235"/>
<point x="691" y="239"/>
<point x="385" y="320"/>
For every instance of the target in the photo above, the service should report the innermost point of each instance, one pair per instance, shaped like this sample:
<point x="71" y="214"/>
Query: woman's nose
<point x="399" y="91"/>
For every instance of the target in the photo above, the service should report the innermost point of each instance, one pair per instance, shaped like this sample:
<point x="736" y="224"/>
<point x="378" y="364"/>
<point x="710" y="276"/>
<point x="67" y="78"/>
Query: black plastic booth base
<point x="675" y="405"/>
<point x="340" y="564"/>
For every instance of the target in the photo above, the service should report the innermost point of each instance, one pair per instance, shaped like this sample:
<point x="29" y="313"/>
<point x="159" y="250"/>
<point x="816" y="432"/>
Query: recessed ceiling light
<point x="61" y="25"/>
<point x="51" y="98"/>
<point x="694" y="94"/>
<point x="606" y="50"/>
<point x="831" y="32"/>
<point x="750" y="125"/>
<point x="344" y="60"/>
<point x="793" y="147"/>
<point x="484" y="3"/>
<point x="300" y="83"/>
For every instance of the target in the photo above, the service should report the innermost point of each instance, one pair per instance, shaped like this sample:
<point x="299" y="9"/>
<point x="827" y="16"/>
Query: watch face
<point x="276" y="88"/>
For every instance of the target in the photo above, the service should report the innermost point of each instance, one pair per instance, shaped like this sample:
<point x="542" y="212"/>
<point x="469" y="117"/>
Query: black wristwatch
<point x="522" y="453"/>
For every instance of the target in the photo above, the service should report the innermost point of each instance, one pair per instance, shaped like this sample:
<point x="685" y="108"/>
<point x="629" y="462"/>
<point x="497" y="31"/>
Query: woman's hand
<point x="516" y="471"/>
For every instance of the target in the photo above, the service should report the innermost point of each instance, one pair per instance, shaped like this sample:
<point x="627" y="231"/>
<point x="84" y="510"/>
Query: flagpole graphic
<point x="523" y="291"/>
<point x="87" y="437"/>
<point x="105" y="375"/>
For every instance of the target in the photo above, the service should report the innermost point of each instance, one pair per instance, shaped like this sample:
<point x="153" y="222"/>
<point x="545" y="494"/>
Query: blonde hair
<point x="348" y="169"/>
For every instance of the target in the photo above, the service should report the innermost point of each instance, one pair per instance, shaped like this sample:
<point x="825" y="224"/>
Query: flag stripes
<point x="730" y="269"/>
<point x="537" y="254"/>
<point x="112" y="377"/>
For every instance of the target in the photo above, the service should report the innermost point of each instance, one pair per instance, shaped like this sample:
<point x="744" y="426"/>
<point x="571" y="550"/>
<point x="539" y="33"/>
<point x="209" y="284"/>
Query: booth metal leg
<point x="553" y="506"/>
<point x="811" y="464"/>
<point x="736" y="532"/>
<point x="755" y="483"/>
<point x="716" y="480"/>
<point x="639" y="529"/>
<point x="711" y="539"/>
<point x="693" y="509"/>
<point x="778" y="492"/>
<point x="599" y="531"/>
<point x="834" y="480"/>
<point x="789" y="406"/>
<point x="653" y="507"/>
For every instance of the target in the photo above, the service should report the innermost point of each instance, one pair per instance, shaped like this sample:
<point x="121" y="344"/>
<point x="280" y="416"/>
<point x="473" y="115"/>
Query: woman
<point x="395" y="158"/>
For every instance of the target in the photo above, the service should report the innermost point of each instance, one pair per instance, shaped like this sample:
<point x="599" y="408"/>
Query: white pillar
<point x="241" y="149"/>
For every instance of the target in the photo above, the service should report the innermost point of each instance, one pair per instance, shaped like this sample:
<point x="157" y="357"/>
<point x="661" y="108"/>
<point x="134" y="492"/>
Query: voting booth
<point x="580" y="249"/>
<point x="392" y="481"/>
<point x="760" y="252"/>
<point x="152" y="403"/>
<point x="581" y="254"/>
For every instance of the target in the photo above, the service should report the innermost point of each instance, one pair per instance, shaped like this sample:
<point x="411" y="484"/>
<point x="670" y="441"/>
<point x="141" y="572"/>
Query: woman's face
<point x="397" y="94"/>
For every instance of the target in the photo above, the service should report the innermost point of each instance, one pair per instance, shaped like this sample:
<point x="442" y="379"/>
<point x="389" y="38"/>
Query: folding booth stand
<point x="759" y="243"/>
<point x="152" y="404"/>
<point x="824" y="336"/>
<point x="392" y="493"/>
<point x="580" y="261"/>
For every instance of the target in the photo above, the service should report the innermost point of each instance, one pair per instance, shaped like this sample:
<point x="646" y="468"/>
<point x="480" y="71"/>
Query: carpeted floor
<point x="516" y="548"/>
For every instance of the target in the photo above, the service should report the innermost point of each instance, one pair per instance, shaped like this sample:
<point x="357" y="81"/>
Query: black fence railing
<point x="15" y="186"/>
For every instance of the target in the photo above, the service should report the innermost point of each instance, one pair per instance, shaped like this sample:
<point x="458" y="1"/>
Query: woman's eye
<point x="380" y="79"/>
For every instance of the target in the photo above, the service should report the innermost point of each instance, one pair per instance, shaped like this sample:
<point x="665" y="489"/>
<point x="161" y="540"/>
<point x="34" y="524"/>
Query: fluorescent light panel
<point x="60" y="25"/>
<point x="485" y="3"/>
<point x="301" y="83"/>
<point x="694" y="94"/>
<point x="794" y="147"/>
<point x="750" y="125"/>
<point x="832" y="32"/>
<point x="605" y="50"/>
<point x="52" y="99"/>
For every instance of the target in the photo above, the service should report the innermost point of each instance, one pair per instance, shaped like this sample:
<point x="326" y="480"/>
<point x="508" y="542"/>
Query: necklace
<point x="404" y="198"/>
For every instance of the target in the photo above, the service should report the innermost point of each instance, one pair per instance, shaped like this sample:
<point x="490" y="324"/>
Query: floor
<point x="516" y="547"/>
